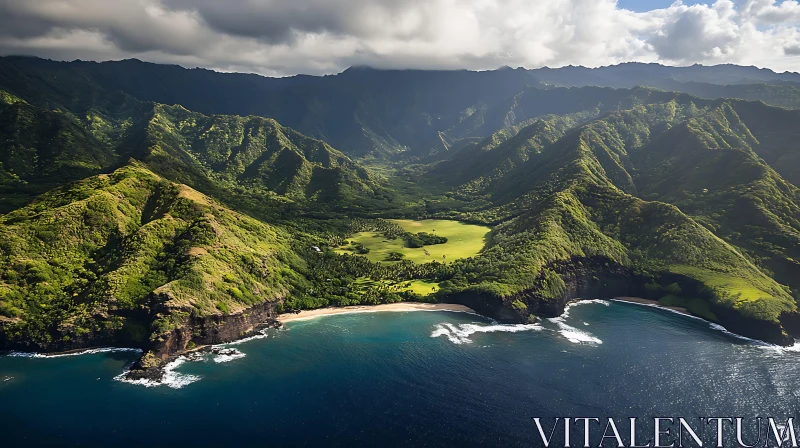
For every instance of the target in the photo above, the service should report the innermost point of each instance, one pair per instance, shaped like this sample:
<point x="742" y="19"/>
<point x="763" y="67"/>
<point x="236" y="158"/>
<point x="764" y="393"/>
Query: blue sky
<point x="647" y="5"/>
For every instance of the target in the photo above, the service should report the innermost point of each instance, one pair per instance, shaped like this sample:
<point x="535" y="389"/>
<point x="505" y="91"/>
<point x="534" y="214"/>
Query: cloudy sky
<point x="284" y="37"/>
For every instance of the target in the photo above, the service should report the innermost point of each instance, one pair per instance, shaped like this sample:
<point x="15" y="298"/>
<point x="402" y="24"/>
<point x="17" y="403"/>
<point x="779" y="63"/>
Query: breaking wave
<point x="781" y="350"/>
<point x="565" y="314"/>
<point x="571" y="333"/>
<point x="171" y="378"/>
<point x="227" y="354"/>
<point x="261" y="334"/>
<point x="90" y="351"/>
<point x="176" y="380"/>
<point x="577" y="336"/>
<point x="460" y="333"/>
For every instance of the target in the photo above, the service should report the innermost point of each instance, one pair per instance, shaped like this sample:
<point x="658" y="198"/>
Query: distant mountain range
<point x="372" y="112"/>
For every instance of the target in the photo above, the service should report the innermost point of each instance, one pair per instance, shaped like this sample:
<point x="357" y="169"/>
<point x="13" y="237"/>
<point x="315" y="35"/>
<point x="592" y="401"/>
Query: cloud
<point x="280" y="37"/>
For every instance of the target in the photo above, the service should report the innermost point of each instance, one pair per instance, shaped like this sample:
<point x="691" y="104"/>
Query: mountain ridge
<point x="355" y="110"/>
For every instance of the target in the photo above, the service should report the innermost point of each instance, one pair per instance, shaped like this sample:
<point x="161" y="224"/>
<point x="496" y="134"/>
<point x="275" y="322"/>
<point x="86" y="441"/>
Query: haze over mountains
<point x="374" y="112"/>
<point x="200" y="194"/>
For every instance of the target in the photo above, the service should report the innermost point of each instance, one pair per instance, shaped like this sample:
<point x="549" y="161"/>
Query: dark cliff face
<point x="200" y="331"/>
<point x="216" y="329"/>
<point x="86" y="340"/>
<point x="207" y="330"/>
<point x="131" y="335"/>
<point x="771" y="332"/>
<point x="599" y="278"/>
<point x="586" y="278"/>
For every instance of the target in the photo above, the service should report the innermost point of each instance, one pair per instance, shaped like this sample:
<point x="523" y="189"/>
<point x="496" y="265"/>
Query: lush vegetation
<point x="79" y="259"/>
<point x="124" y="219"/>
<point x="575" y="198"/>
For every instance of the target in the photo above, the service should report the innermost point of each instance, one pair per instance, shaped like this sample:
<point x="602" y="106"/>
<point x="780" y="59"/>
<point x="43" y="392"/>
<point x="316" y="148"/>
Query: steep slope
<point x="592" y="191"/>
<point x="245" y="159"/>
<point x="776" y="133"/>
<point x="131" y="258"/>
<point x="368" y="112"/>
<point x="707" y="166"/>
<point x="255" y="153"/>
<point x="530" y="128"/>
<point x="363" y="111"/>
<point x="571" y="225"/>
<point x="40" y="149"/>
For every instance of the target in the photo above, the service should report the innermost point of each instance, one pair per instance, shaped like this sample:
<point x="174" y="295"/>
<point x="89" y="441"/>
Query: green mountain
<point x="255" y="154"/>
<point x="127" y="257"/>
<point x="163" y="208"/>
<point x="366" y="112"/>
<point x="670" y="188"/>
<point x="42" y="149"/>
<point x="230" y="156"/>
<point x="377" y="114"/>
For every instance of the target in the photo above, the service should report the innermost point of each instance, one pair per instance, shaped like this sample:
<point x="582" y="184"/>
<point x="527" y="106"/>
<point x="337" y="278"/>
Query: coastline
<point x="388" y="307"/>
<point x="654" y="303"/>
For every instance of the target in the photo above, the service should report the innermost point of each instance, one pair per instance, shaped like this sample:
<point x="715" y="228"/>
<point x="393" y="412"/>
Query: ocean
<point x="430" y="379"/>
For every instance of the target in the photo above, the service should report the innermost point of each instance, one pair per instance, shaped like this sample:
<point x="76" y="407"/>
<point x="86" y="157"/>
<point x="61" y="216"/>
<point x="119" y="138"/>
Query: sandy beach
<point x="641" y="301"/>
<point x="395" y="307"/>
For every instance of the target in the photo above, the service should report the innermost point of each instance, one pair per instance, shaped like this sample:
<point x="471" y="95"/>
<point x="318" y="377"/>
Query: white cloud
<point x="278" y="37"/>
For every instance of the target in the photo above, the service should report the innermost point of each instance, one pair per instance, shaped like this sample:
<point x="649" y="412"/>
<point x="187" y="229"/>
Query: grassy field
<point x="421" y="287"/>
<point x="463" y="241"/>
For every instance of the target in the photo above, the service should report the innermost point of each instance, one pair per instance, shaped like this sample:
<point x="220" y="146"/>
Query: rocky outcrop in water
<point x="203" y="331"/>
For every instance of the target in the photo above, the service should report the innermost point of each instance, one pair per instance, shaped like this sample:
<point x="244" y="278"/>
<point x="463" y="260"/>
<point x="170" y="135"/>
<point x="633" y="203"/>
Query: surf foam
<point x="227" y="355"/>
<point x="261" y="334"/>
<point x="571" y="305"/>
<point x="577" y="336"/>
<point x="460" y="334"/>
<point x="171" y="378"/>
<point x="90" y="351"/>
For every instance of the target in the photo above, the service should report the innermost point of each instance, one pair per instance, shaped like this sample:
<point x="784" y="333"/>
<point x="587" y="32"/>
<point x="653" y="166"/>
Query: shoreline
<point x="387" y="307"/>
<point x="71" y="352"/>
<point x="653" y="303"/>
<point x="304" y="315"/>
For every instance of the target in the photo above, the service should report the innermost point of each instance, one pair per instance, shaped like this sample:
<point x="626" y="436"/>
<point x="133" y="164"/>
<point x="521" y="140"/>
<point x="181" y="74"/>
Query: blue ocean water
<point x="433" y="379"/>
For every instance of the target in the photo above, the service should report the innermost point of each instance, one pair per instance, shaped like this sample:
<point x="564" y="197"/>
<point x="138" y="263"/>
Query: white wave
<point x="660" y="307"/>
<point x="459" y="334"/>
<point x="577" y="336"/>
<point x="261" y="334"/>
<point x="780" y="350"/>
<point x="228" y="354"/>
<point x="730" y="333"/>
<point x="565" y="314"/>
<point x="90" y="351"/>
<point x="171" y="378"/>
<point x="584" y="302"/>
